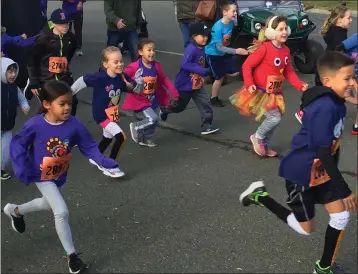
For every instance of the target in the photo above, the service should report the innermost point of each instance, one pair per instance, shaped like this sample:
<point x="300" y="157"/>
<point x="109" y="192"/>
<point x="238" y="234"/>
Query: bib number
<point x="54" y="167"/>
<point x="113" y="113"/>
<point x="150" y="84"/>
<point x="318" y="174"/>
<point x="57" y="64"/>
<point x="197" y="81"/>
<point x="274" y="83"/>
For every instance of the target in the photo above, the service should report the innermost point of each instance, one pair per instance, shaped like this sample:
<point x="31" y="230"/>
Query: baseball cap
<point x="199" y="28"/>
<point x="60" y="16"/>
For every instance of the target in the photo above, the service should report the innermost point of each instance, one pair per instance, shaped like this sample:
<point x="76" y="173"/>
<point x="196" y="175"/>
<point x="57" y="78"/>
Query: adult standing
<point x="185" y="12"/>
<point x="123" y="18"/>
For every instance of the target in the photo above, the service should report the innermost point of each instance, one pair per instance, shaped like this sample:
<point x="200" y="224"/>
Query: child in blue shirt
<point x="310" y="168"/>
<point x="219" y="55"/>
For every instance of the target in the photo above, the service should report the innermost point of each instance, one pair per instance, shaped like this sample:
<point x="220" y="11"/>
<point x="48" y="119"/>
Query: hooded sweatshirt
<point x="11" y="97"/>
<point x="317" y="139"/>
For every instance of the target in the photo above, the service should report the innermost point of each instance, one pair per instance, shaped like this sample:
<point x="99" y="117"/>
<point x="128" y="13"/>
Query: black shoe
<point x="75" y="264"/>
<point x="163" y="115"/>
<point x="216" y="102"/>
<point x="5" y="175"/>
<point x="17" y="223"/>
<point x="209" y="130"/>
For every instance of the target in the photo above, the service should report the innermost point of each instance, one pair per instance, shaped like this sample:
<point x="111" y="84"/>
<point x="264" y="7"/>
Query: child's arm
<point x="351" y="42"/>
<point x="33" y="63"/>
<point x="292" y="77"/>
<point x="25" y="42"/>
<point x="89" y="80"/>
<point x="73" y="48"/>
<point x="89" y="148"/>
<point x="19" y="148"/>
<point x="188" y="64"/>
<point x="251" y="63"/>
<point x="136" y="85"/>
<point x="227" y="50"/>
<point x="166" y="82"/>
<point x="24" y="105"/>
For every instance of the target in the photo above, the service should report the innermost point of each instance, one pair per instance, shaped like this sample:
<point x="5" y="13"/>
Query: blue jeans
<point x="129" y="37"/>
<point x="185" y="31"/>
<point x="6" y="137"/>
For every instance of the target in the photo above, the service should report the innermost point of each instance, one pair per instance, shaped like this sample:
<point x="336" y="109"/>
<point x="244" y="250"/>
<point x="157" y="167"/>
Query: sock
<point x="103" y="145"/>
<point x="279" y="210"/>
<point x="332" y="243"/>
<point x="118" y="143"/>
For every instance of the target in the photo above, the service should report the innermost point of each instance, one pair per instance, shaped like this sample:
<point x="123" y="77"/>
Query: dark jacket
<point x="185" y="9"/>
<point x="49" y="45"/>
<point x="128" y="10"/>
<point x="334" y="37"/>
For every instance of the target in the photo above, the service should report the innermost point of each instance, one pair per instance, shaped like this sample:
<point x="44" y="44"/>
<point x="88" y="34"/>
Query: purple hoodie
<point x="16" y="41"/>
<point x="70" y="6"/>
<point x="39" y="141"/>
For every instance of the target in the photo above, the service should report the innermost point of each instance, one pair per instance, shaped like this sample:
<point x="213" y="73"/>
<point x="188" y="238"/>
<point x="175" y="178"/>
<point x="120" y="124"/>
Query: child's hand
<point x="35" y="91"/>
<point x="241" y="51"/>
<point x="304" y="87"/>
<point x="252" y="89"/>
<point x="128" y="85"/>
<point x="79" y="6"/>
<point x="350" y="203"/>
<point x="25" y="110"/>
<point x="24" y="36"/>
<point x="2" y="54"/>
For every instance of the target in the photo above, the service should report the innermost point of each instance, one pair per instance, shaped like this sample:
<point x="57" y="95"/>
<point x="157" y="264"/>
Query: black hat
<point x="60" y="16"/>
<point x="199" y="28"/>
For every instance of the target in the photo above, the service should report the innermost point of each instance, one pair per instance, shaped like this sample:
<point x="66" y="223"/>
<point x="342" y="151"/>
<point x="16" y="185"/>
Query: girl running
<point x="108" y="84"/>
<point x="41" y="153"/>
<point x="146" y="105"/>
<point x="264" y="71"/>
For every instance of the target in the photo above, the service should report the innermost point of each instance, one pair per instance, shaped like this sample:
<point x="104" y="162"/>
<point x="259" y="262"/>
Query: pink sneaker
<point x="299" y="116"/>
<point x="270" y="152"/>
<point x="258" y="145"/>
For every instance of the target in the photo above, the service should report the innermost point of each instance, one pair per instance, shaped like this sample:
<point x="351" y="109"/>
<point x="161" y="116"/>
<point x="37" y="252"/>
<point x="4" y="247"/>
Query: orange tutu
<point x="257" y="103"/>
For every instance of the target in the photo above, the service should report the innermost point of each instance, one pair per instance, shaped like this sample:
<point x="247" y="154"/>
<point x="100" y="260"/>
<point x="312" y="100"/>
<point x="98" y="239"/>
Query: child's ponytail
<point x="338" y="12"/>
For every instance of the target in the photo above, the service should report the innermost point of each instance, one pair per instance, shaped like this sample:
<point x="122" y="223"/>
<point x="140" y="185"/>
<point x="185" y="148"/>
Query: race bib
<point x="318" y="174"/>
<point x="113" y="113"/>
<point x="54" y="167"/>
<point x="226" y="40"/>
<point x="57" y="64"/>
<point x="150" y="84"/>
<point x="197" y="81"/>
<point x="274" y="83"/>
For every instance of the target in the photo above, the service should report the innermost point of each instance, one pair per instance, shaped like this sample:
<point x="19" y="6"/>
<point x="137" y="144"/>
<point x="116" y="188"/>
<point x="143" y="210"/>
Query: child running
<point x="146" y="106"/>
<point x="11" y="98"/>
<point x="219" y="55"/>
<point x="334" y="32"/>
<point x="189" y="81"/>
<point x="108" y="84"/>
<point x="310" y="168"/>
<point x="51" y="55"/>
<point x="264" y="72"/>
<point x="41" y="153"/>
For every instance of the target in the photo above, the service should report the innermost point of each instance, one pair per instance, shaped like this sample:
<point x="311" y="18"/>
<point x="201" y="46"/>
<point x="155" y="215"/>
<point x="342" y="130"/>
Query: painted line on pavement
<point x="170" y="52"/>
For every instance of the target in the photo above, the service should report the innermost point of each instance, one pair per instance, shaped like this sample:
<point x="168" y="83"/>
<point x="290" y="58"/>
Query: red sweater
<point x="269" y="60"/>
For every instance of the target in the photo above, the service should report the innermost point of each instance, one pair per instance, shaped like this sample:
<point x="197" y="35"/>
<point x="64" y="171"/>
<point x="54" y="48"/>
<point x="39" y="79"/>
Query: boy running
<point x="310" y="167"/>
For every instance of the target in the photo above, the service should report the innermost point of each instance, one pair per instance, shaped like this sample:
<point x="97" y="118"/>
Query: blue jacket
<point x="70" y="6"/>
<point x="351" y="48"/>
<point x="16" y="41"/>
<point x="11" y="97"/>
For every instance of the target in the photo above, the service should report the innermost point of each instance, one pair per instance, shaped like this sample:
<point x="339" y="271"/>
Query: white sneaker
<point x="79" y="52"/>
<point x="134" y="133"/>
<point x="17" y="223"/>
<point x="113" y="172"/>
<point x="97" y="165"/>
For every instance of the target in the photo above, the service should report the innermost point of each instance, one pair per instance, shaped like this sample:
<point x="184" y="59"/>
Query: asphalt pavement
<point x="177" y="209"/>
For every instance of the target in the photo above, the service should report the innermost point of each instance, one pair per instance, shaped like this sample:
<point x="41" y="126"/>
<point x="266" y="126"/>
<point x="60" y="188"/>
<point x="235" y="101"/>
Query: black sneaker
<point x="5" y="175"/>
<point x="17" y="223"/>
<point x="209" y="130"/>
<point x="216" y="102"/>
<point x="148" y="143"/>
<point x="163" y="115"/>
<point x="251" y="194"/>
<point x="75" y="264"/>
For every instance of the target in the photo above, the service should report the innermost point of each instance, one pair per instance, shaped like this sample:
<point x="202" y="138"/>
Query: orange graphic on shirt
<point x="226" y="40"/>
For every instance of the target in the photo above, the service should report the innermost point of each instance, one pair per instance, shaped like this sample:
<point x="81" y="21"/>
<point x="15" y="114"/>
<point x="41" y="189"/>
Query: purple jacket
<point x="70" y="6"/>
<point x="16" y="41"/>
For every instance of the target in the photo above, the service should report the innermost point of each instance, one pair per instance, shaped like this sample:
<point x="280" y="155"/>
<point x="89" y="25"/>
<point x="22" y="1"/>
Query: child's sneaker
<point x="270" y="152"/>
<point x="134" y="132"/>
<point x="79" y="52"/>
<point x="75" y="264"/>
<point x="258" y="145"/>
<point x="115" y="172"/>
<point x="163" y="116"/>
<point x="299" y="116"/>
<point x="97" y="165"/>
<point x="251" y="194"/>
<point x="216" y="102"/>
<point x="319" y="270"/>
<point x="17" y="223"/>
<point x="209" y="130"/>
<point x="148" y="143"/>
<point x="355" y="129"/>
<point x="5" y="175"/>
